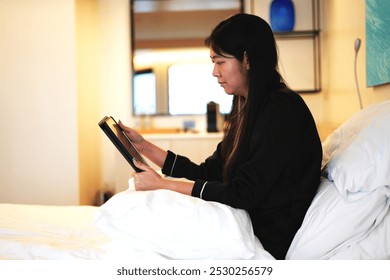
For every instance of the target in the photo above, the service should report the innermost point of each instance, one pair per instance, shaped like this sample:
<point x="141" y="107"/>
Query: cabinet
<point x="197" y="147"/>
<point x="299" y="50"/>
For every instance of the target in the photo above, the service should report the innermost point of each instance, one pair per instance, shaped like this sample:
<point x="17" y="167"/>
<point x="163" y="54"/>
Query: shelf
<point x="316" y="90"/>
<point x="299" y="50"/>
<point x="297" y="34"/>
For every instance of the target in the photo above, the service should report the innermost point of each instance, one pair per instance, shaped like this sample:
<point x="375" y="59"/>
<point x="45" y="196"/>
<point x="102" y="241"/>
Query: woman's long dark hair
<point x="239" y="35"/>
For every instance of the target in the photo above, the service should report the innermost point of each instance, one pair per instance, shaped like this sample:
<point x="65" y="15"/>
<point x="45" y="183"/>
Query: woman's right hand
<point x="146" y="148"/>
<point x="133" y="135"/>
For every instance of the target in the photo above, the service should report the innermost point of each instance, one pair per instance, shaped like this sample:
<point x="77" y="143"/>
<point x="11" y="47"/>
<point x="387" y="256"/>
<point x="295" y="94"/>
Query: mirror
<point x="168" y="39"/>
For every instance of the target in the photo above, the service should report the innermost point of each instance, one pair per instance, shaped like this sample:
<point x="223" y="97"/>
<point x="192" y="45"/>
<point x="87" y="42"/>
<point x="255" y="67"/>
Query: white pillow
<point x="357" y="154"/>
<point x="170" y="225"/>
<point x="333" y="224"/>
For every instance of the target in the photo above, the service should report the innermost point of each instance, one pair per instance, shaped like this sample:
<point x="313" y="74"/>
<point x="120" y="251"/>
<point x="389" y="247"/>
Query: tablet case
<point x="121" y="141"/>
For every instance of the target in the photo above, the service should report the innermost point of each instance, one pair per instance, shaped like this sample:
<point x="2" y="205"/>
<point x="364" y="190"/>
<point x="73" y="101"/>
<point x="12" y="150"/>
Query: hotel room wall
<point x="115" y="83"/>
<point x="103" y="60"/>
<point x="89" y="94"/>
<point x="38" y="102"/>
<point x="344" y="21"/>
<point x="64" y="65"/>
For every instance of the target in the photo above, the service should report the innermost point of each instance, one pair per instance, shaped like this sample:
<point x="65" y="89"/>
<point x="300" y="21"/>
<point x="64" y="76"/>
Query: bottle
<point x="282" y="15"/>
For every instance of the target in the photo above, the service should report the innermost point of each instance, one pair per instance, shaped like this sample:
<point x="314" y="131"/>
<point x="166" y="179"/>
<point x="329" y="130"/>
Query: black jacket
<point x="276" y="183"/>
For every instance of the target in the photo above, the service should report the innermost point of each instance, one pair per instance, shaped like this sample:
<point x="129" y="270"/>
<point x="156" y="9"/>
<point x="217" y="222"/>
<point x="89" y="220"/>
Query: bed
<point x="348" y="219"/>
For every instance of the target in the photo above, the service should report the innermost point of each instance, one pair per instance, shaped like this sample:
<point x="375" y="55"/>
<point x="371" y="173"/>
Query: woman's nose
<point x="216" y="72"/>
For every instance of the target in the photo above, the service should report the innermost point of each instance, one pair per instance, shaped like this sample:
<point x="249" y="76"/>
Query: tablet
<point x="119" y="138"/>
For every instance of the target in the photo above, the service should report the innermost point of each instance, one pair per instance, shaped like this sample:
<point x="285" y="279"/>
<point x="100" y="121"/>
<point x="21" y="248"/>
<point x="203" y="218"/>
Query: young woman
<point x="269" y="160"/>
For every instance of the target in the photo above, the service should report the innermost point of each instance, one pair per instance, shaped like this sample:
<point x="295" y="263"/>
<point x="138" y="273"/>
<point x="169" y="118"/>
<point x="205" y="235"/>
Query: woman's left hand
<point x="148" y="179"/>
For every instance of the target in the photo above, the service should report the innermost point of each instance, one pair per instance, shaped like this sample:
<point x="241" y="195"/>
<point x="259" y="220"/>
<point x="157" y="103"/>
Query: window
<point x="191" y="87"/>
<point x="144" y="97"/>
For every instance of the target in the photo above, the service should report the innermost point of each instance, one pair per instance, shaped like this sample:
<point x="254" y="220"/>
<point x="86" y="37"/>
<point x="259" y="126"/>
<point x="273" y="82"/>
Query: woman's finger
<point x="140" y="165"/>
<point x="124" y="128"/>
<point x="134" y="136"/>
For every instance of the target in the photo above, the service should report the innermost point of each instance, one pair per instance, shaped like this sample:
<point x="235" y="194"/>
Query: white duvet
<point x="168" y="225"/>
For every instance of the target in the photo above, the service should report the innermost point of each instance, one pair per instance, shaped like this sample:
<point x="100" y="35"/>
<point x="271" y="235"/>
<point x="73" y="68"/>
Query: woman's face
<point x="231" y="73"/>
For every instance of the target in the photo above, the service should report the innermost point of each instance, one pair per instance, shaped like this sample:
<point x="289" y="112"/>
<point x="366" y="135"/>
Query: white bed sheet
<point x="376" y="246"/>
<point x="49" y="232"/>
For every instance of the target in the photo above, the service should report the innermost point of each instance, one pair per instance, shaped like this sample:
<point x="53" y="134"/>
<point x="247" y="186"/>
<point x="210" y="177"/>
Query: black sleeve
<point x="182" y="167"/>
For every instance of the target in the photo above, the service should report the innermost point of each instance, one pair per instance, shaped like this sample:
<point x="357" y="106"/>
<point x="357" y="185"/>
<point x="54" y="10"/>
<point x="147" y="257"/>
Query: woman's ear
<point x="246" y="61"/>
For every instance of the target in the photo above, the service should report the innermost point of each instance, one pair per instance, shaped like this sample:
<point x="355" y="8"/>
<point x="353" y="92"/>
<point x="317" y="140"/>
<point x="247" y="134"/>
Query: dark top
<point x="276" y="183"/>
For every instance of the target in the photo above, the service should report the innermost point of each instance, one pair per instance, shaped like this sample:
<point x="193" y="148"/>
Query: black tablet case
<point x="121" y="141"/>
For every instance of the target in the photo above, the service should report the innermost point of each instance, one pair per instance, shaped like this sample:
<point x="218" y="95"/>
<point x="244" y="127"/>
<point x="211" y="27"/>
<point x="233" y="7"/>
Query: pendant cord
<point x="357" y="47"/>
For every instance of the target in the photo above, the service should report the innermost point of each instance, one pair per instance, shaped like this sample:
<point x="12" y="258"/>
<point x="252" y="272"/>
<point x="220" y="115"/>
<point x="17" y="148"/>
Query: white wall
<point x="344" y="21"/>
<point x="38" y="143"/>
<point x="52" y="97"/>
<point x="115" y="83"/>
<point x="103" y="80"/>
